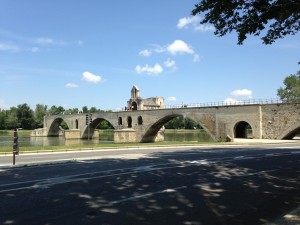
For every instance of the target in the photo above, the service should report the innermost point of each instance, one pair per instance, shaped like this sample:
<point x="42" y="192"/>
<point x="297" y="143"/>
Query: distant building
<point x="138" y="103"/>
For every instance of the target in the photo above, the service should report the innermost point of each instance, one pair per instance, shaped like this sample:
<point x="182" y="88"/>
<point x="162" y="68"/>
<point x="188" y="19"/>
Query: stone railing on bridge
<point x="226" y="103"/>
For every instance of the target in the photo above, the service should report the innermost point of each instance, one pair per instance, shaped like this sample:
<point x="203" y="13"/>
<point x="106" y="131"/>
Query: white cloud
<point x="156" y="69"/>
<point x="44" y="41"/>
<point x="194" y="21"/>
<point x="159" y="49"/>
<point x="185" y="21"/>
<point x="171" y="99"/>
<point x="242" y="93"/>
<point x="48" y="41"/>
<point x="71" y="85"/>
<point x="34" y="49"/>
<point x="145" y="53"/>
<point x="179" y="46"/>
<point x="170" y="64"/>
<point x="196" y="58"/>
<point x="8" y="47"/>
<point x="89" y="77"/>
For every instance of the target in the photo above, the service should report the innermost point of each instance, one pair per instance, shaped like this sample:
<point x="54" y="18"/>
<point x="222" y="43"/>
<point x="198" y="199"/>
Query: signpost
<point x="15" y="145"/>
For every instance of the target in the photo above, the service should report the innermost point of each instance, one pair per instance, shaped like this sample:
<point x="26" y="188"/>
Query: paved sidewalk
<point x="263" y="141"/>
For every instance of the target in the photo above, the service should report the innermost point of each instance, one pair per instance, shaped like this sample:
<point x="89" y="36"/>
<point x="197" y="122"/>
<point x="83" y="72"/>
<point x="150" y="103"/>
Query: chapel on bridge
<point x="138" y="103"/>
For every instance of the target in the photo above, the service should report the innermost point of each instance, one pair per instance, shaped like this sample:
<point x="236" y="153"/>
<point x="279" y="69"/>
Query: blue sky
<point x="90" y="53"/>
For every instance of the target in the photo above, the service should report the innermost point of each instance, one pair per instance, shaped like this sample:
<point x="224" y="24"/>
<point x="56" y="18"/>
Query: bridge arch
<point x="134" y="106"/>
<point x="129" y="122"/>
<point x="154" y="129"/>
<point x="90" y="129"/>
<point x="291" y="132"/>
<point x="120" y="122"/>
<point x="243" y="129"/>
<point x="151" y="133"/>
<point x="55" y="126"/>
<point x="140" y="120"/>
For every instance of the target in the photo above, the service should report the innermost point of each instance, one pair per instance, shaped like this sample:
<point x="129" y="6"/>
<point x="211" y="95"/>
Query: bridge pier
<point x="125" y="136"/>
<point x="129" y="135"/>
<point x="72" y="134"/>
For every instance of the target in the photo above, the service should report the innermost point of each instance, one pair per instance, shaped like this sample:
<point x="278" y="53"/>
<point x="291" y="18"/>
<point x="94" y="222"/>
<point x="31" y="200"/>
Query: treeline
<point x="182" y="122"/>
<point x="26" y="118"/>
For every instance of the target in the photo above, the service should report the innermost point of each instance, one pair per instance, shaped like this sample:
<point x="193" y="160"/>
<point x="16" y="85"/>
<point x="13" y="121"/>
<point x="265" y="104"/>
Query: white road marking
<point x="169" y="190"/>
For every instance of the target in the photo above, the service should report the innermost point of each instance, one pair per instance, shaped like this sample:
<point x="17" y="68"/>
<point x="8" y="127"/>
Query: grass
<point x="100" y="146"/>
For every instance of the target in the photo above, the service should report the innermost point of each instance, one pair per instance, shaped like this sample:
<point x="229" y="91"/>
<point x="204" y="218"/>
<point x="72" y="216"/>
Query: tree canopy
<point x="291" y="91"/>
<point x="277" y="18"/>
<point x="24" y="117"/>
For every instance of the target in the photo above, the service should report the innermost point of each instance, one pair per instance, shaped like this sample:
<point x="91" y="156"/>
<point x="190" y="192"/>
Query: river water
<point x="6" y="139"/>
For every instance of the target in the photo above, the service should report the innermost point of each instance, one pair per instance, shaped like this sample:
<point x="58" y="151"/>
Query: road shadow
<point x="186" y="187"/>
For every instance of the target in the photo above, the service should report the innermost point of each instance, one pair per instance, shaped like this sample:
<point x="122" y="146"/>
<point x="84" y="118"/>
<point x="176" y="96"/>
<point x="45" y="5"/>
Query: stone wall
<point x="125" y="136"/>
<point x="280" y="119"/>
<point x="72" y="134"/>
<point x="272" y="121"/>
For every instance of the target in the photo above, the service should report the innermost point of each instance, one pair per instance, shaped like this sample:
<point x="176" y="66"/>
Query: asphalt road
<point x="189" y="186"/>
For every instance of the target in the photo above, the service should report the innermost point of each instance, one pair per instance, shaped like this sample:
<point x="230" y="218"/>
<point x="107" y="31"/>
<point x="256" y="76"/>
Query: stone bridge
<point x="266" y="121"/>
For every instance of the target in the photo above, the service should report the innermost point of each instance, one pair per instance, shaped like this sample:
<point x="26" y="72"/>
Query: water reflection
<point x="107" y="136"/>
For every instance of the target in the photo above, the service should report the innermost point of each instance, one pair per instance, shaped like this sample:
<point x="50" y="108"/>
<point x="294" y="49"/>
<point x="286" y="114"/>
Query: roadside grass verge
<point x="100" y="146"/>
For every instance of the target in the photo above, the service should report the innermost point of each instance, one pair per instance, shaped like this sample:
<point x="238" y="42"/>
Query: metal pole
<point x="14" y="158"/>
<point x="89" y="131"/>
<point x="89" y="122"/>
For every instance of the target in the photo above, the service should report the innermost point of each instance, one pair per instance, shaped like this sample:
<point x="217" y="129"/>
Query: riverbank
<point x="109" y="146"/>
<point x="30" y="149"/>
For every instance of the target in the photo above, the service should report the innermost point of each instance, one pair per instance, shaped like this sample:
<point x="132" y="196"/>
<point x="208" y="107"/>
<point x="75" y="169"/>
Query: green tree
<point x="85" y="109"/>
<point x="176" y="123"/>
<point x="39" y="113"/>
<point x="25" y="117"/>
<point x="2" y="119"/>
<point x="104" y="124"/>
<point x="72" y="111"/>
<point x="11" y="121"/>
<point x="277" y="18"/>
<point x="54" y="110"/>
<point x="291" y="91"/>
<point x="93" y="110"/>
<point x="182" y="122"/>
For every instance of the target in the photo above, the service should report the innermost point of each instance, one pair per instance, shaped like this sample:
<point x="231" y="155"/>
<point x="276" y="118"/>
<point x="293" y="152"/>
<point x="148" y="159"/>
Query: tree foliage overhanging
<point x="291" y="91"/>
<point x="277" y="18"/>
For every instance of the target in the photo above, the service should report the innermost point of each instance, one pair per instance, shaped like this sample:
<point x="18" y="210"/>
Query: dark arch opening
<point x="120" y="121"/>
<point x="129" y="122"/>
<point x="140" y="120"/>
<point x="292" y="135"/>
<point x="134" y="106"/>
<point x="243" y="130"/>
<point x="57" y="127"/>
<point x="76" y="124"/>
<point x="149" y="136"/>
<point x="101" y="125"/>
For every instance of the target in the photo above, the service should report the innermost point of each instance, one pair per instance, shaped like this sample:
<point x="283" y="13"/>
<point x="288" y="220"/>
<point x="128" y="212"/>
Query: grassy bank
<point x="11" y="132"/>
<point x="99" y="146"/>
